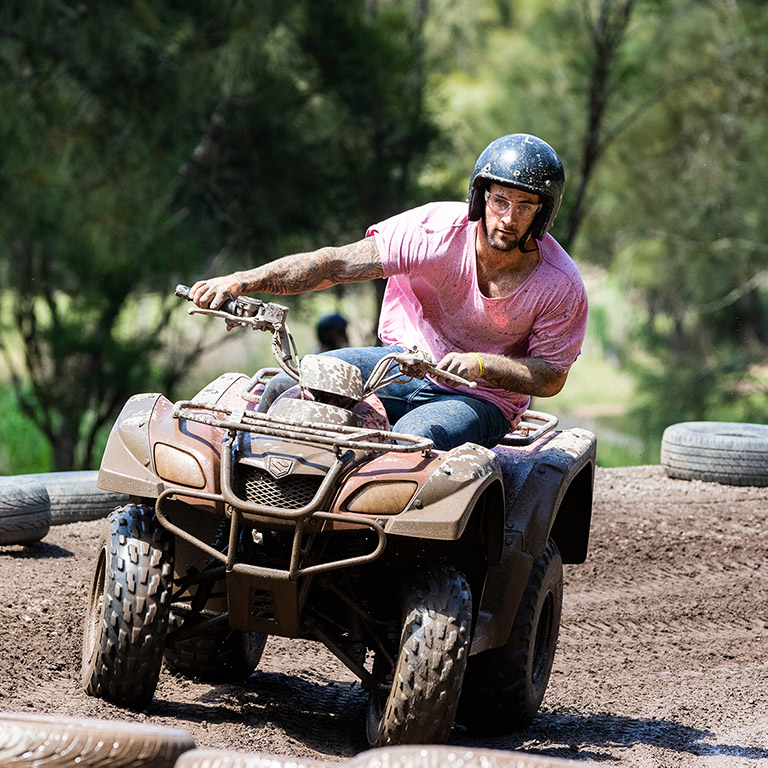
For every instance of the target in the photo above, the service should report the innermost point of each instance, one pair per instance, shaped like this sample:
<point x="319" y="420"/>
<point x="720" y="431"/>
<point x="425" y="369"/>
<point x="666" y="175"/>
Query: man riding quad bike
<point x="434" y="576"/>
<point x="370" y="499"/>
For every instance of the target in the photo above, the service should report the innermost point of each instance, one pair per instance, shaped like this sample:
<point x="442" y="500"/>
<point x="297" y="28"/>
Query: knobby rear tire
<point x="504" y="687"/>
<point x="128" y="609"/>
<point x="219" y="655"/>
<point x="429" y="668"/>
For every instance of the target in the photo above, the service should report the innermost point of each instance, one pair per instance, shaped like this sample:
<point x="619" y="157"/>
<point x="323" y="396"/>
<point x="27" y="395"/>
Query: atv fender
<point x="127" y="465"/>
<point x="445" y="501"/>
<point x="548" y="489"/>
<point x="149" y="450"/>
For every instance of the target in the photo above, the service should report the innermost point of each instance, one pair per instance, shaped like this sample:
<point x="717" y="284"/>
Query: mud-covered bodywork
<point x="547" y="494"/>
<point x="498" y="506"/>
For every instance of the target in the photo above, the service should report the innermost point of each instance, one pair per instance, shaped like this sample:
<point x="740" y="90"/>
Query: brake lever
<point x="245" y="311"/>
<point x="259" y="316"/>
<point x="453" y="377"/>
<point x="418" y="365"/>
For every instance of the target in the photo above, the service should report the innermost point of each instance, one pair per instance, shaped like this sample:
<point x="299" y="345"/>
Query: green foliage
<point x="143" y="142"/>
<point x="315" y="134"/>
<point x="85" y="219"/>
<point x="658" y="111"/>
<point x="146" y="144"/>
<point x="23" y="448"/>
<point x="694" y="253"/>
<point x="96" y="123"/>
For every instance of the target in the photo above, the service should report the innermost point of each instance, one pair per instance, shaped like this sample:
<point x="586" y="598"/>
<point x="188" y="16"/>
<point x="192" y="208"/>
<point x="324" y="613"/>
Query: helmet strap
<point x="524" y="241"/>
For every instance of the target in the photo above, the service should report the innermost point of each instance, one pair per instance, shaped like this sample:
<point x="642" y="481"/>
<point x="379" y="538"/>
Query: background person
<point x="331" y="332"/>
<point x="481" y="286"/>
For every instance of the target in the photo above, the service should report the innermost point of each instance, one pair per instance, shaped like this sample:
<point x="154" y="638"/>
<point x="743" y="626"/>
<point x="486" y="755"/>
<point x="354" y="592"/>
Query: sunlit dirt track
<point x="662" y="659"/>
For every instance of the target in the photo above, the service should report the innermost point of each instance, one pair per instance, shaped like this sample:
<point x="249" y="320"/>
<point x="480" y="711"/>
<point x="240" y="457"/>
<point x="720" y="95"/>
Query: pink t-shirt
<point x="433" y="302"/>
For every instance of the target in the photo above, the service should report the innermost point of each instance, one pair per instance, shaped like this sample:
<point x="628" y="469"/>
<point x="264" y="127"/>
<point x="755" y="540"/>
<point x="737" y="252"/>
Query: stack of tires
<point x="25" y="511"/>
<point x="34" y="741"/>
<point x="31" y="504"/>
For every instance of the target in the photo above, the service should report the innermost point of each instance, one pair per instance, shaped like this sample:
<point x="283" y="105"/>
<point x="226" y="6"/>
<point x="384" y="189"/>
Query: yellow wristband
<point x="482" y="364"/>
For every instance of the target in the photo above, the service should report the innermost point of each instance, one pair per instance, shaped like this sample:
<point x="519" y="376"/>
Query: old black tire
<point x="421" y="703"/>
<point x="75" y="496"/>
<point x="45" y="740"/>
<point x="219" y="655"/>
<point x="25" y="511"/>
<point x="504" y="686"/>
<point x="127" y="618"/>
<point x="725" y="452"/>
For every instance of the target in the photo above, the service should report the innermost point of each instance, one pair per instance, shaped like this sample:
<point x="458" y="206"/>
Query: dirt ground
<point x="662" y="659"/>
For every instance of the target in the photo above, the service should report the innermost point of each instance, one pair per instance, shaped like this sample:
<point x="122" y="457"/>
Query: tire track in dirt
<point x="686" y="628"/>
<point x="667" y="580"/>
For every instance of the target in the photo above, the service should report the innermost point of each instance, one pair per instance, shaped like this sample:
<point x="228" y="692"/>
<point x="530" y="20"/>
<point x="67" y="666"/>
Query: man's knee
<point x="420" y="424"/>
<point x="275" y="387"/>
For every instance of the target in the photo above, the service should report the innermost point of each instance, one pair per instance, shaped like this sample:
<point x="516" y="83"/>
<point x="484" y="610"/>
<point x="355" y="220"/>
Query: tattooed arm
<point x="526" y="375"/>
<point x="297" y="273"/>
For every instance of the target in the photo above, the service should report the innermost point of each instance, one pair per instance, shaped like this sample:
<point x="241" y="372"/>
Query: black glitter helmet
<point x="525" y="162"/>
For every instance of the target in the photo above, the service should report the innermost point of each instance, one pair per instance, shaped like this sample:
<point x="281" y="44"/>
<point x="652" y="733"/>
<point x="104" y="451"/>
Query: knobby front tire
<point x="128" y="609"/>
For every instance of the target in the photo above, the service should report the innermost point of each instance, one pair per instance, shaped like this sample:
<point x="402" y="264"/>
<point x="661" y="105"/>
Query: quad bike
<point x="434" y="576"/>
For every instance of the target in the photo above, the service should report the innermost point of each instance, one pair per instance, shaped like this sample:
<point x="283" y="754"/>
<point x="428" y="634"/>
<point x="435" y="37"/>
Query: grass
<point x="23" y="449"/>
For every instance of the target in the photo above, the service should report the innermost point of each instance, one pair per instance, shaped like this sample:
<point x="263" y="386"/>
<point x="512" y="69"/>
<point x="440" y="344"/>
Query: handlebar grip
<point x="455" y="378"/>
<point x="183" y="292"/>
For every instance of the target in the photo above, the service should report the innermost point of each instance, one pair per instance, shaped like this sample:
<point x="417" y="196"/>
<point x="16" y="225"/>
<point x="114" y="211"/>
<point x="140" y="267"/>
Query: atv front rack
<point x="344" y="441"/>
<point x="533" y="425"/>
<point x="295" y="569"/>
<point x="339" y="437"/>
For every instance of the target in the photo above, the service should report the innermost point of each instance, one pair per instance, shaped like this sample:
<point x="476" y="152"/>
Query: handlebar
<point x="258" y="315"/>
<point x="412" y="364"/>
<point x="262" y="316"/>
<point x="254" y="313"/>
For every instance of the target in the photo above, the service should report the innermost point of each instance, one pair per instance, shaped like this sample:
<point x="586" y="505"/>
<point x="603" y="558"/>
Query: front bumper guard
<point x="237" y="506"/>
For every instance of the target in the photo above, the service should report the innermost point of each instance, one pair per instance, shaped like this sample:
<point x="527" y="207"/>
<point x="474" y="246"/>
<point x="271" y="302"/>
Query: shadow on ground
<point x="585" y="737"/>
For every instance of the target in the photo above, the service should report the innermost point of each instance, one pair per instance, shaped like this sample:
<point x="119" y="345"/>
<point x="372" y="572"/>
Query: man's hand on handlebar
<point x="212" y="293"/>
<point x="464" y="364"/>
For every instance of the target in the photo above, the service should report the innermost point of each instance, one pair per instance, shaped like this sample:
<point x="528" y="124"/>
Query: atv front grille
<point x="262" y="605"/>
<point x="257" y="486"/>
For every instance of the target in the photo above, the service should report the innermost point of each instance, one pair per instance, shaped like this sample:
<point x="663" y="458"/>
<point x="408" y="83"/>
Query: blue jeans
<point x="418" y="407"/>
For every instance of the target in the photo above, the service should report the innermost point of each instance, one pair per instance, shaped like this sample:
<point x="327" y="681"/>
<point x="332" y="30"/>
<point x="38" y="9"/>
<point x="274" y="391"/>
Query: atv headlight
<point x="382" y="498"/>
<point x="178" y="466"/>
